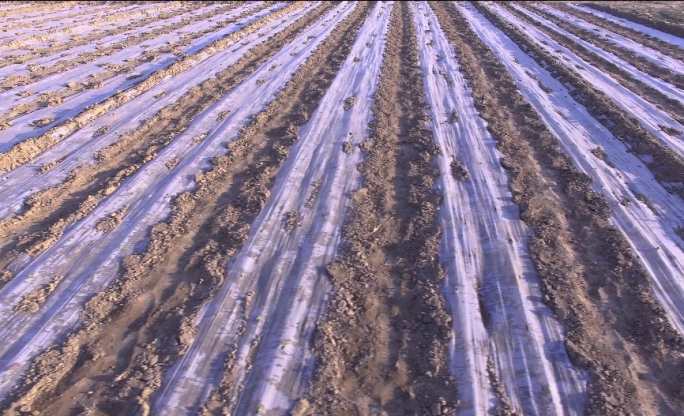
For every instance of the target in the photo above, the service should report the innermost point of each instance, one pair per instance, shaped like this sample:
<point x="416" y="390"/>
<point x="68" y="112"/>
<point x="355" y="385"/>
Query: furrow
<point x="650" y="20"/>
<point x="606" y="300"/>
<point x="32" y="147"/>
<point x="147" y="197"/>
<point x="53" y="166"/>
<point x="491" y="284"/>
<point x="134" y="12"/>
<point x="43" y="62"/>
<point x="35" y="8"/>
<point x="624" y="179"/>
<point x="41" y="51"/>
<point x="27" y="69"/>
<point x="81" y="87"/>
<point x="659" y="52"/>
<point x="72" y="13"/>
<point x="659" y="85"/>
<point x="140" y="45"/>
<point x="11" y="5"/>
<point x="382" y="343"/>
<point x="264" y="313"/>
<point x="48" y="21"/>
<point x="46" y="214"/>
<point x="630" y="118"/>
<point x="636" y="27"/>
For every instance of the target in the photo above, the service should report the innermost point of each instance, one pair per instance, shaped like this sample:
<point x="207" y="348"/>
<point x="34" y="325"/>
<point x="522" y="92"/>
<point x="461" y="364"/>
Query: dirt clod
<point x="42" y="122"/>
<point x="293" y="219"/>
<point x="102" y="130"/>
<point x="110" y="222"/>
<point x="458" y="171"/>
<point x="349" y="103"/>
<point x="347" y="147"/>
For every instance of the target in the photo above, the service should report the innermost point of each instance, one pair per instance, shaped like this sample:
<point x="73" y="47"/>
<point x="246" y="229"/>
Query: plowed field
<point x="341" y="208"/>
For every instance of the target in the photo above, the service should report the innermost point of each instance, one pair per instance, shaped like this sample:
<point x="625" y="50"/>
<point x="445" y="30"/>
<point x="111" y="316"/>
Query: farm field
<point x="341" y="208"/>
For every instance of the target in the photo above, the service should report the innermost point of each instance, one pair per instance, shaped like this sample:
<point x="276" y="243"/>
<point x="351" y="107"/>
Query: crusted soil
<point x="382" y="344"/>
<point x="622" y="339"/>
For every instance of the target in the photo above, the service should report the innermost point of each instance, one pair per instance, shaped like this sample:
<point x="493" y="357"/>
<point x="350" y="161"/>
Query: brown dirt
<point x="646" y="40"/>
<point x="293" y="219"/>
<point x="37" y="7"/>
<point x="172" y="163"/>
<point x="674" y="107"/>
<point x="223" y="115"/>
<point x="104" y="50"/>
<point x="319" y="71"/>
<point x="667" y="166"/>
<point x="109" y="223"/>
<point x="621" y="339"/>
<point x="47" y="166"/>
<point x="347" y="147"/>
<point x="18" y="43"/>
<point x="314" y="195"/>
<point x="503" y="407"/>
<point x="382" y="344"/>
<point x="601" y="154"/>
<point x="453" y="117"/>
<point x="458" y="171"/>
<point x="96" y="80"/>
<point x="666" y="16"/>
<point x="32" y="301"/>
<point x="45" y="214"/>
<point x="30" y="148"/>
<point x="42" y="122"/>
<point x="142" y="323"/>
<point x="349" y="103"/>
<point x="38" y="21"/>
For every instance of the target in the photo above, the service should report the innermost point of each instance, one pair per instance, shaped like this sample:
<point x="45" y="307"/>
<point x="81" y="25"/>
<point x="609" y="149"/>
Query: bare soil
<point x="674" y="107"/>
<point x="646" y="40"/>
<point x="575" y="249"/>
<point x="666" y="16"/>
<point x="46" y="214"/>
<point x="382" y="345"/>
<point x="138" y="326"/>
